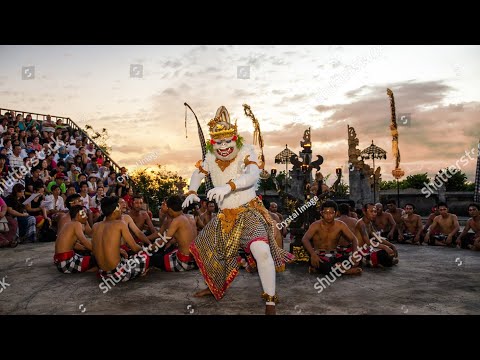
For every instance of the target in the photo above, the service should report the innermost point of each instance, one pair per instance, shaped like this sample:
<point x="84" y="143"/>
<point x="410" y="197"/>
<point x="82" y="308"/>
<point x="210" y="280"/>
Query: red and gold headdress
<point x="220" y="126"/>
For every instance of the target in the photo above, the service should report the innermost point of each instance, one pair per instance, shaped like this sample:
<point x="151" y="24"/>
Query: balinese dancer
<point x="242" y="222"/>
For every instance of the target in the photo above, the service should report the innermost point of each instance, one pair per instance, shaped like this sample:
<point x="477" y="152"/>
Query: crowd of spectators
<point x="41" y="164"/>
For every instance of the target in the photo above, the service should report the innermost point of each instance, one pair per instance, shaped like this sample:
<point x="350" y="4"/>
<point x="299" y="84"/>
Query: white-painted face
<point x="225" y="149"/>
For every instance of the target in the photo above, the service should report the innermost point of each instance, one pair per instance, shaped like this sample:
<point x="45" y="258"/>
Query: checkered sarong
<point x="70" y="262"/>
<point x="216" y="249"/>
<point x="176" y="262"/>
<point x="127" y="269"/>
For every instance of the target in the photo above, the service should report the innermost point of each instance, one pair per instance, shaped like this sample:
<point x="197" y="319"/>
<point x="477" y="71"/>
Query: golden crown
<point x="220" y="126"/>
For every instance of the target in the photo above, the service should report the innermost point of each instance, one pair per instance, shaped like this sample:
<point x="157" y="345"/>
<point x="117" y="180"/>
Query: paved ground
<point x="428" y="280"/>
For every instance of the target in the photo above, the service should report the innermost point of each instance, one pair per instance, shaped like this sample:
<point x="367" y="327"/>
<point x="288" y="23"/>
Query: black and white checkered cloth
<point x="128" y="269"/>
<point x="74" y="264"/>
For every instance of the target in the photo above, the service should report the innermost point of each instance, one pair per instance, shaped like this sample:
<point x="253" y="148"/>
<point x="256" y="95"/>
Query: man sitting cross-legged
<point x="106" y="244"/>
<point x="471" y="242"/>
<point x="138" y="234"/>
<point x="182" y="231"/>
<point x="65" y="258"/>
<point x="448" y="227"/>
<point x="411" y="227"/>
<point x="141" y="219"/>
<point x="385" y="223"/>
<point x="325" y="234"/>
<point x="377" y="253"/>
<point x="345" y="247"/>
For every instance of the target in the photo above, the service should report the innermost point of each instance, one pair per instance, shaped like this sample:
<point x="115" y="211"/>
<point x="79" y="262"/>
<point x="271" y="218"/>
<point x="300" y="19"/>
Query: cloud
<point x="242" y="93"/>
<point x="294" y="98"/>
<point x="128" y="149"/>
<point x="169" y="91"/>
<point x="172" y="63"/>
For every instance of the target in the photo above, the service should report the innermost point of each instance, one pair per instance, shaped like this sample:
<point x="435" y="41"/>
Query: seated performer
<point x="242" y="222"/>
<point x="177" y="258"/>
<point x="411" y="228"/>
<point x="471" y="242"/>
<point x="343" y="244"/>
<point x="384" y="222"/>
<point x="397" y="214"/>
<point x="138" y="235"/>
<point x="325" y="234"/>
<point x="106" y="244"/>
<point x="377" y="253"/>
<point x="65" y="258"/>
<point x="448" y="227"/>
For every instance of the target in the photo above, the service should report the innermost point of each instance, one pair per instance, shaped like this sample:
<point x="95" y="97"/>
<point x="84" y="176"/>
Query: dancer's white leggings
<point x="266" y="268"/>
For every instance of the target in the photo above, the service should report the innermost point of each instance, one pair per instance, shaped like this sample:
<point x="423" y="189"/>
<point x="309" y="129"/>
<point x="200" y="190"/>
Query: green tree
<point x="100" y="138"/>
<point x="342" y="190"/>
<point x="202" y="189"/>
<point x="156" y="185"/>
<point x="388" y="185"/>
<point x="416" y="181"/>
<point x="456" y="182"/>
<point x="470" y="186"/>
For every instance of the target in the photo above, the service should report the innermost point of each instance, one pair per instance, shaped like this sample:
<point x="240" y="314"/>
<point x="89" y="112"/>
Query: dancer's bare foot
<point x="203" y="292"/>
<point x="270" y="310"/>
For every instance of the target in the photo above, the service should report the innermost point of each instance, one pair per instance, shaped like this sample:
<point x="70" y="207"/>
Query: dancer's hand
<point x="190" y="199"/>
<point x="219" y="192"/>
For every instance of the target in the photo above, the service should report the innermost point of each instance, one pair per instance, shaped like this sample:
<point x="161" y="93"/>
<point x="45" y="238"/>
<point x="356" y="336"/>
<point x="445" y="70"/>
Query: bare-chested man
<point x="113" y="262"/>
<point x="384" y="222"/>
<point x="208" y="215"/>
<point x="273" y="208"/>
<point x="65" y="258"/>
<point x="411" y="228"/>
<point x="430" y="218"/>
<point x="141" y="218"/>
<point x="351" y="205"/>
<point x="325" y="233"/>
<point x="473" y="223"/>
<point x="448" y="227"/>
<point x="182" y="231"/>
<point x="397" y="214"/>
<point x="163" y="217"/>
<point x="278" y="228"/>
<point x="344" y="211"/>
<point x="377" y="254"/>
<point x="134" y="230"/>
<point x="73" y="200"/>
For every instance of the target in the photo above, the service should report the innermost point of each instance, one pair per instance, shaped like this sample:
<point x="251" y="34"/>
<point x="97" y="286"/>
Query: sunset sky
<point x="289" y="89"/>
